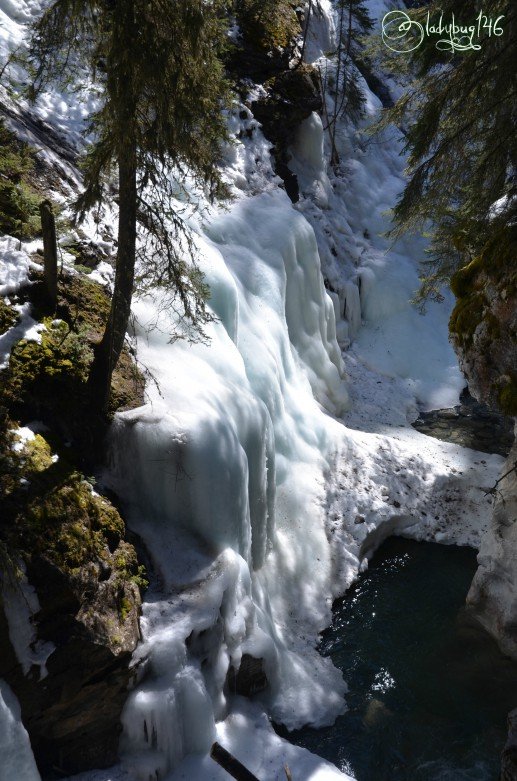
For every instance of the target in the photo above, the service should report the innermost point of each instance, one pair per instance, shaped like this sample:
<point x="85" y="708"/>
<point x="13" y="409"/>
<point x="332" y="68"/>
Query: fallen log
<point x="232" y="766"/>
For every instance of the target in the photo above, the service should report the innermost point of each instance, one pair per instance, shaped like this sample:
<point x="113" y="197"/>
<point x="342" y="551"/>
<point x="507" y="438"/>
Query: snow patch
<point x="21" y="604"/>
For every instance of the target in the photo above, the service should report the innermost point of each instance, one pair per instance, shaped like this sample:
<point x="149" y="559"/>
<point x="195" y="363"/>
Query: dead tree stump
<point x="48" y="227"/>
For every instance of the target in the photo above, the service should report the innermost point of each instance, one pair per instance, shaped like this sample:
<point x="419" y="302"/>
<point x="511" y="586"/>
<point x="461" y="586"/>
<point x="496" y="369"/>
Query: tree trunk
<point x="121" y="89"/>
<point x="109" y="348"/>
<point x="48" y="228"/>
<point x="305" y="32"/>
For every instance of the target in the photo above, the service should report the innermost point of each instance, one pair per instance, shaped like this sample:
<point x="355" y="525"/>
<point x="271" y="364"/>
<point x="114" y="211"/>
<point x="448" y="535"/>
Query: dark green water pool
<point x="428" y="692"/>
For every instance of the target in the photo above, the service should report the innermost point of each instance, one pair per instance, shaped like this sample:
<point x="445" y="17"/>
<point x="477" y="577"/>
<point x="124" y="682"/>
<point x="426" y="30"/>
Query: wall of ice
<point x="222" y="474"/>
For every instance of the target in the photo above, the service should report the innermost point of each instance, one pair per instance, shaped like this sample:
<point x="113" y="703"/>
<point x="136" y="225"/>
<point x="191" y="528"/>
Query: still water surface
<point x="428" y="692"/>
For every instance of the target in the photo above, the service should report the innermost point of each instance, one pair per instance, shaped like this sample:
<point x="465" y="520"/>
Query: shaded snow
<point x="15" y="265"/>
<point x="17" y="761"/>
<point x="21" y="604"/>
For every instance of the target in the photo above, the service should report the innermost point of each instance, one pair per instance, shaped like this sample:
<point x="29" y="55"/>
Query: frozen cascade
<point x="216" y="470"/>
<point x="350" y="212"/>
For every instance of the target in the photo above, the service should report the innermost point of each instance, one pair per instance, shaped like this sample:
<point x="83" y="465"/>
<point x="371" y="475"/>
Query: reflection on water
<point x="428" y="692"/>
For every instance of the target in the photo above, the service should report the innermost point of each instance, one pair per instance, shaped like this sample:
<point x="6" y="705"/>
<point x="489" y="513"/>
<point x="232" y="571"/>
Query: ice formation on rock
<point x="16" y="757"/>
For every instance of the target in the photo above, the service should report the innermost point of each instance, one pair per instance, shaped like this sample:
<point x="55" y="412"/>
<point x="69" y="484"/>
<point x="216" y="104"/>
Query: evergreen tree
<point x="157" y="65"/>
<point x="459" y="116"/>
<point x="353" y="23"/>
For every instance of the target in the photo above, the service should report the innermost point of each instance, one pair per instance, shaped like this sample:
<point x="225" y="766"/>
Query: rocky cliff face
<point x="69" y="607"/>
<point x="483" y="324"/>
<point x="71" y="709"/>
<point x="483" y="330"/>
<point x="509" y="758"/>
<point x="69" y="578"/>
<point x="493" y="593"/>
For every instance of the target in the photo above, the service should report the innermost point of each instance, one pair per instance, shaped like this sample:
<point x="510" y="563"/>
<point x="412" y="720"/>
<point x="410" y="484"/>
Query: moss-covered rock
<point x="290" y="98"/>
<point x="48" y="380"/>
<point x="8" y="316"/>
<point x="269" y="32"/>
<point x="483" y="324"/>
<point x="268" y="26"/>
<point x="507" y="397"/>
<point x="71" y="544"/>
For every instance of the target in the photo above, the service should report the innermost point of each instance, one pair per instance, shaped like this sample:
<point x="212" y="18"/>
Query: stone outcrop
<point x="509" y="757"/>
<point x="69" y="578"/>
<point x="291" y="97"/>
<point x="483" y="329"/>
<point x="493" y="594"/>
<point x="470" y="424"/>
<point x="87" y="618"/>
<point x="267" y="39"/>
<point x="483" y="325"/>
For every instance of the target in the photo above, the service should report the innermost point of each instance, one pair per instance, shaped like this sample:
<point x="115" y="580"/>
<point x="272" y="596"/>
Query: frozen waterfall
<point x="222" y="474"/>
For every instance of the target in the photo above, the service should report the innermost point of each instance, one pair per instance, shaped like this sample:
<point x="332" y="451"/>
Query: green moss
<point x="38" y="455"/>
<point x="508" y="397"/>
<point x="462" y="280"/>
<point x="494" y="263"/>
<point x="53" y="370"/>
<point x="9" y="567"/>
<point x="49" y="380"/>
<point x="8" y="317"/>
<point x="125" y="608"/>
<point x="64" y="519"/>
<point x="127" y="567"/>
<point x="9" y="462"/>
<point x="48" y="508"/>
<point x="498" y="253"/>
<point x="106" y="520"/>
<point x="19" y="202"/>
<point x="466" y="316"/>
<point x="268" y="26"/>
<point x="82" y="269"/>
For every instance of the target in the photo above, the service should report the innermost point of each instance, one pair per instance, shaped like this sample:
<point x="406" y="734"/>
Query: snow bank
<point x="248" y="735"/>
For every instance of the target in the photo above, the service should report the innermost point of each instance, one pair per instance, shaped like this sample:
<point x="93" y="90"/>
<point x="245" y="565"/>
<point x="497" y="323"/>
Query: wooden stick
<point x="230" y="764"/>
